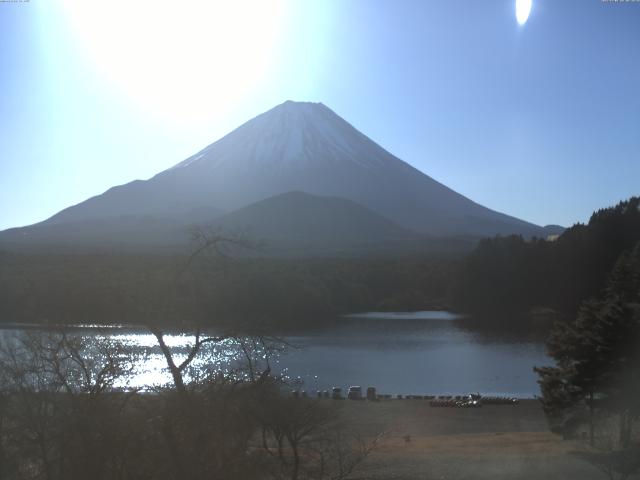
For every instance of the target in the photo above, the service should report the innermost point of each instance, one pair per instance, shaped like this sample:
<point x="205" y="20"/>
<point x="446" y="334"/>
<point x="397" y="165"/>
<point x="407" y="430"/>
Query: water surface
<point x="398" y="353"/>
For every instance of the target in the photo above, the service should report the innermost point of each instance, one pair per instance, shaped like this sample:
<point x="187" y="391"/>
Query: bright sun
<point x="523" y="9"/>
<point x="181" y="59"/>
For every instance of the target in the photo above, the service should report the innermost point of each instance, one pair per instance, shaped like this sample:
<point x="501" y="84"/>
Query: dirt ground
<point x="493" y="442"/>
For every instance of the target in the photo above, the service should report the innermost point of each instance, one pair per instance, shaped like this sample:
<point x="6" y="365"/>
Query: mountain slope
<point x="301" y="147"/>
<point x="300" y="222"/>
<point x="290" y="224"/>
<point x="124" y="232"/>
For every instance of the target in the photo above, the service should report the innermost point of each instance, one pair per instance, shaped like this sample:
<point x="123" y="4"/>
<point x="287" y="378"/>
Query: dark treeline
<point x="592" y="390"/>
<point x="125" y="288"/>
<point x="508" y="275"/>
<point x="597" y="372"/>
<point x="502" y="276"/>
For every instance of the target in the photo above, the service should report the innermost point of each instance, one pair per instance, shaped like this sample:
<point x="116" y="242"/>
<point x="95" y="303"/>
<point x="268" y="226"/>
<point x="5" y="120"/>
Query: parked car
<point x="355" y="393"/>
<point x="371" y="394"/>
<point x="336" y="393"/>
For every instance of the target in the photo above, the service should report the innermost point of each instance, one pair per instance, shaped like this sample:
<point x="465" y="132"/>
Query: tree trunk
<point x="293" y="442"/>
<point x="591" y="419"/>
<point x="625" y="428"/>
<point x="173" y="368"/>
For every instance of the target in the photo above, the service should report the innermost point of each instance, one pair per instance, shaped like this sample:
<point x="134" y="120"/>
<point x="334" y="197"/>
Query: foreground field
<point x="492" y="442"/>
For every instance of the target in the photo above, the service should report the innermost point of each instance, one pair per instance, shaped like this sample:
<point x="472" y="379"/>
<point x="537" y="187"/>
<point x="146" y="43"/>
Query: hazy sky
<point x="540" y="121"/>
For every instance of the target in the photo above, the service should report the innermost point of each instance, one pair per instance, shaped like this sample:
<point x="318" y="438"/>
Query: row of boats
<point x="355" y="393"/>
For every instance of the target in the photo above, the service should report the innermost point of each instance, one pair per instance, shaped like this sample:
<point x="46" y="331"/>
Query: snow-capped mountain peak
<point x="291" y="135"/>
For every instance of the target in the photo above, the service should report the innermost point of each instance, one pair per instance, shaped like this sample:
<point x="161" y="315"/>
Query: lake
<point x="417" y="353"/>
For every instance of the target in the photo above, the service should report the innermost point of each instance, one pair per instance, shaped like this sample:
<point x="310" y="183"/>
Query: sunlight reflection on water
<point x="409" y="353"/>
<point x="150" y="366"/>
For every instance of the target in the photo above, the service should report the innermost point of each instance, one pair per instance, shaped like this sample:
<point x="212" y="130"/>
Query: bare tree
<point x="208" y="244"/>
<point x="177" y="370"/>
<point x="61" y="411"/>
<point x="310" y="438"/>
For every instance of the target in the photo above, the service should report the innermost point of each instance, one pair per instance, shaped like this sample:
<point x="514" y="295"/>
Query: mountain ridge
<point x="305" y="147"/>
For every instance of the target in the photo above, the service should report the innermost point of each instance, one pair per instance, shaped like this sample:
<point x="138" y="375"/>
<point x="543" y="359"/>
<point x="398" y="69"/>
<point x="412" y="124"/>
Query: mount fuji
<point x="295" y="147"/>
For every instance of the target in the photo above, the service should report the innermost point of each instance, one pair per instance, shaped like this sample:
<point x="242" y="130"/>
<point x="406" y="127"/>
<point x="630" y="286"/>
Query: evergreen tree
<point x="597" y="363"/>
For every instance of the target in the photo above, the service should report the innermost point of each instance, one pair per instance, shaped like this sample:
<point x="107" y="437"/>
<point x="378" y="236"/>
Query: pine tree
<point x="597" y="363"/>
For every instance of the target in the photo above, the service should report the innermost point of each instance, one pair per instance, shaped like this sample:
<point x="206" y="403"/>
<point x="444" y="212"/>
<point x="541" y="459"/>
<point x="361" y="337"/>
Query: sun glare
<point x="183" y="60"/>
<point x="523" y="9"/>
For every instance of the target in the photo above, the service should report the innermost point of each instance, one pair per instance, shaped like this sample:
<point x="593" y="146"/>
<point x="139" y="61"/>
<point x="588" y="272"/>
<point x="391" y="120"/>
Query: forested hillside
<point x="510" y="274"/>
<point x="92" y="288"/>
